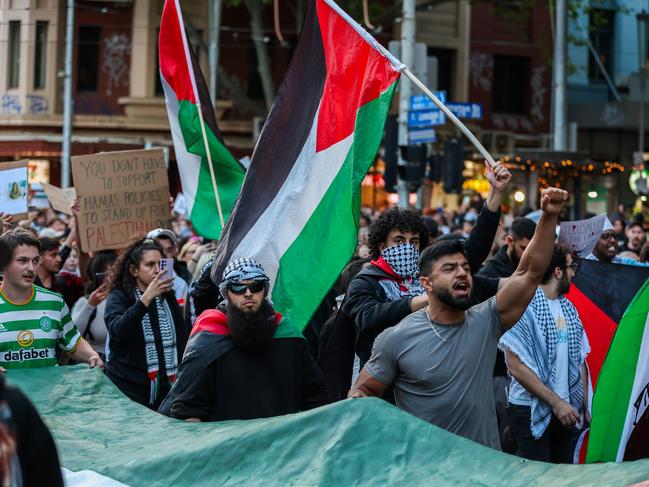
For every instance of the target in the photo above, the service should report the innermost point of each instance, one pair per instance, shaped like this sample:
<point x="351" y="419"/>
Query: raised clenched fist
<point x="553" y="200"/>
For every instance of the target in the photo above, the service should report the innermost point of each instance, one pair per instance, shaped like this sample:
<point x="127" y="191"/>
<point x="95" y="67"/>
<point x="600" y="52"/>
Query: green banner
<point x="354" y="442"/>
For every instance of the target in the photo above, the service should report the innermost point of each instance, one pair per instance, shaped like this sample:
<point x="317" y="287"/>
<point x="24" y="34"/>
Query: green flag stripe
<point x="329" y="238"/>
<point x="228" y="173"/>
<point x="615" y="383"/>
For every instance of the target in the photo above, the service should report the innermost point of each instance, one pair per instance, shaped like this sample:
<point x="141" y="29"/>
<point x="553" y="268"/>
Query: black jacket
<point x="367" y="304"/>
<point x="500" y="265"/>
<point x="126" y="365"/>
<point x="37" y="455"/>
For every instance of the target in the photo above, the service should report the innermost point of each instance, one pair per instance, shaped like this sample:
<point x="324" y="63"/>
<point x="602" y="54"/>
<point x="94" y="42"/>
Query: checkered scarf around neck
<point x="534" y="342"/>
<point x="239" y="270"/>
<point x="403" y="259"/>
<point x="169" y="350"/>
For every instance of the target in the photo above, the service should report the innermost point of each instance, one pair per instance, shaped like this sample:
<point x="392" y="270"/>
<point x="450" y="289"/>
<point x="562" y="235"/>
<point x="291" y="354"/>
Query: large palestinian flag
<point x="299" y="206"/>
<point x="613" y="302"/>
<point x="186" y="93"/>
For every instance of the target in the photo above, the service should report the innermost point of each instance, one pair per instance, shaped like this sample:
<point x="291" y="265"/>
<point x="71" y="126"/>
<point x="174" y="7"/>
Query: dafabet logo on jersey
<point x="22" y="355"/>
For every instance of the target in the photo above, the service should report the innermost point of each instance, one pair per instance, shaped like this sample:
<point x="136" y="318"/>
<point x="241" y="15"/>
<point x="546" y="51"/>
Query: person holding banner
<point x="34" y="320"/>
<point x="146" y="330"/>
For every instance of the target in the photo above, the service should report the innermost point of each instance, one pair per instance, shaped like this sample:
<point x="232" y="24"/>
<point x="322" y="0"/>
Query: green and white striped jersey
<point x="30" y="332"/>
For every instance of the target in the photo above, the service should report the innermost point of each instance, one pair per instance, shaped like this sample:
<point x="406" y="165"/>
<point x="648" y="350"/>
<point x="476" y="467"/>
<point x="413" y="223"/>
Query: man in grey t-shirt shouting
<point x="440" y="359"/>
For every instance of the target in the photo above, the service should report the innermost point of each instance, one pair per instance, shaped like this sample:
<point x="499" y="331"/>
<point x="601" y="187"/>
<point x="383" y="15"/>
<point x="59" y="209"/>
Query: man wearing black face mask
<point x="244" y="360"/>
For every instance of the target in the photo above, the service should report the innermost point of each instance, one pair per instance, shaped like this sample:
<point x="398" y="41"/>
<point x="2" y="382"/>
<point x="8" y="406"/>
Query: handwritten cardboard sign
<point x="14" y="189"/>
<point x="582" y="235"/>
<point x="60" y="199"/>
<point x="122" y="195"/>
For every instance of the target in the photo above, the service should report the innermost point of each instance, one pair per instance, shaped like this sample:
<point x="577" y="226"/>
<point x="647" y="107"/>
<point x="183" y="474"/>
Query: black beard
<point x="564" y="285"/>
<point x="515" y="259"/>
<point x="252" y="331"/>
<point x="445" y="296"/>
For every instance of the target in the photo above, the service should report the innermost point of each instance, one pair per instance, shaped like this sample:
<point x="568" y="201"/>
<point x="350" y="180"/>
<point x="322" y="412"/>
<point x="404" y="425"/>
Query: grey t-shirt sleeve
<point x="494" y="318"/>
<point x="382" y="365"/>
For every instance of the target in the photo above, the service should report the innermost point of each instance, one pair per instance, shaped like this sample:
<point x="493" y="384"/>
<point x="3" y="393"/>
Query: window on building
<point x="14" y="54"/>
<point x="88" y="58"/>
<point x="40" y="55"/>
<point x="445" y="69"/>
<point x="602" y="36"/>
<point x="510" y="85"/>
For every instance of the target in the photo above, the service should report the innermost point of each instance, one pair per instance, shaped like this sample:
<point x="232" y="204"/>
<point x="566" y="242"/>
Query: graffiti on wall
<point x="37" y="104"/>
<point x="117" y="48"/>
<point x="538" y="93"/>
<point x="11" y="104"/>
<point x="481" y="67"/>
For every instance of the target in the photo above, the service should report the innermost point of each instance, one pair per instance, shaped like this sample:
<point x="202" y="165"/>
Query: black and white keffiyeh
<point x="404" y="261"/>
<point x="243" y="269"/>
<point x="534" y="341"/>
<point x="168" y="336"/>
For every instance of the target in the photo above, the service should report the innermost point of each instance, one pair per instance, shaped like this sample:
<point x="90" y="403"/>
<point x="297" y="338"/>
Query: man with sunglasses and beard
<point x="243" y="359"/>
<point x="546" y="352"/>
<point x="440" y="359"/>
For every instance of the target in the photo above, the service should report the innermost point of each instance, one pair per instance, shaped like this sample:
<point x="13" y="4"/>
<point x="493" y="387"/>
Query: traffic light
<point x="453" y="165"/>
<point x="415" y="167"/>
<point x="434" y="168"/>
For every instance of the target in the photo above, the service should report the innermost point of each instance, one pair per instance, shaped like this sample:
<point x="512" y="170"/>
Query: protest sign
<point x="122" y="195"/>
<point x="581" y="236"/>
<point x="13" y="188"/>
<point x="60" y="199"/>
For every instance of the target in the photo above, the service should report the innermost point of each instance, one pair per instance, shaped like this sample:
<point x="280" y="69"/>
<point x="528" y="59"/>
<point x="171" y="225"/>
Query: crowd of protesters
<point x="424" y="296"/>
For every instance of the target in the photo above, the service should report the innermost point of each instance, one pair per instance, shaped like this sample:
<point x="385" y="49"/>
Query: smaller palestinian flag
<point x="299" y="208"/>
<point x="185" y="93"/>
<point x="613" y="302"/>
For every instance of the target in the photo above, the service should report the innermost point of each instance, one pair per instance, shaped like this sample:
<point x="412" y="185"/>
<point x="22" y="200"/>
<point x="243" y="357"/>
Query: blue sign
<point x="470" y="111"/>
<point x="422" y="102"/>
<point x="421" y="136"/>
<point x="428" y="118"/>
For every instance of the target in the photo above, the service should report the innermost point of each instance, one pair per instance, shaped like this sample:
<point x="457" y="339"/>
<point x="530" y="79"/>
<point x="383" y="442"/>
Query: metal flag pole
<point x="209" y="163"/>
<point x="451" y="116"/>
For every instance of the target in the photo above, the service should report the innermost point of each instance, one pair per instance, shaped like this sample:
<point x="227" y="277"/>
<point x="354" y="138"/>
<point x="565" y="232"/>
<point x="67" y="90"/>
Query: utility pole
<point x="405" y="88"/>
<point x="68" y="102"/>
<point x="215" y="7"/>
<point x="559" y="139"/>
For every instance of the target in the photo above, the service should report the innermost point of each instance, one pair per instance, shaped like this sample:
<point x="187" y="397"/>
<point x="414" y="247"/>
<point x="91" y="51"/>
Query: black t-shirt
<point x="239" y="385"/>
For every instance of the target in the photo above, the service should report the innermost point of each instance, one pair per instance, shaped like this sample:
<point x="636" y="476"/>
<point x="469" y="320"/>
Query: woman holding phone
<point x="88" y="311"/>
<point x="146" y="330"/>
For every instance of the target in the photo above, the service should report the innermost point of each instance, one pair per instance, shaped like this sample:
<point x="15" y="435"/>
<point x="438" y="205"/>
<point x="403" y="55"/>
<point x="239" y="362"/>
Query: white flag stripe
<point x="189" y="165"/>
<point x="305" y="186"/>
<point x="639" y="384"/>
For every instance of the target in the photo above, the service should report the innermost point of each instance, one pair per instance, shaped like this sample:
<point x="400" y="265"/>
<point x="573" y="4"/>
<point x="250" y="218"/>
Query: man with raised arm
<point x="440" y="359"/>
